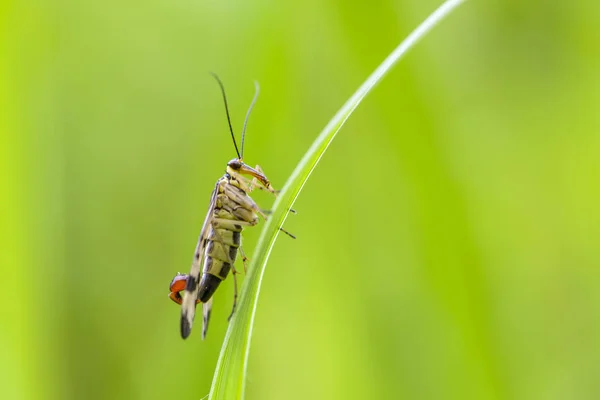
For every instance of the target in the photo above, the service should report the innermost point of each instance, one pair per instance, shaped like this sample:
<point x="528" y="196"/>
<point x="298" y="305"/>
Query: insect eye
<point x="235" y="164"/>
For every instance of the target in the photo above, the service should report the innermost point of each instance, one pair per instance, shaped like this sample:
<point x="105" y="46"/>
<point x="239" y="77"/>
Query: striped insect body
<point x="231" y="209"/>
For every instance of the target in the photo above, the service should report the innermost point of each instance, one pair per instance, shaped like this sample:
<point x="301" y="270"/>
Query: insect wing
<point x="206" y="308"/>
<point x="188" y="306"/>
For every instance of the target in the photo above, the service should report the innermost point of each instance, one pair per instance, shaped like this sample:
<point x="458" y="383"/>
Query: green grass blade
<point x="230" y="375"/>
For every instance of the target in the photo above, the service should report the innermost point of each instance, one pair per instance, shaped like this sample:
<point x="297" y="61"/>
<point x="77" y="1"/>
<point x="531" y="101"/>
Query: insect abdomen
<point x="208" y="285"/>
<point x="221" y="252"/>
<point x="232" y="205"/>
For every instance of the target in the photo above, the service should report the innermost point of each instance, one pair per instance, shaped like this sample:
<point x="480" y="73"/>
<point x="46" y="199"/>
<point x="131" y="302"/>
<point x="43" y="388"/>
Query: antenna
<point x="257" y="91"/>
<point x="228" y="118"/>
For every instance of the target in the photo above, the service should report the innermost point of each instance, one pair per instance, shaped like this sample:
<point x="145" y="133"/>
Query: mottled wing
<point x="206" y="308"/>
<point x="190" y="295"/>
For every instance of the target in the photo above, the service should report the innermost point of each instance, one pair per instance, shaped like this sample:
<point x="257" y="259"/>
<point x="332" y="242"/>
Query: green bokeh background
<point x="448" y="242"/>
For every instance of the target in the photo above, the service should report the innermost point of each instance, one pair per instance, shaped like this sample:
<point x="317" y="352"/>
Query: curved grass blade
<point x="230" y="375"/>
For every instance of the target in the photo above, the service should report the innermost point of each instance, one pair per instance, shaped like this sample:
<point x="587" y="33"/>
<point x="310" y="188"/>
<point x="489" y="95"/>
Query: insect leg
<point x="244" y="259"/>
<point x="268" y="212"/>
<point x="275" y="193"/>
<point x="251" y="185"/>
<point x="255" y="181"/>
<point x="246" y="223"/>
<point x="287" y="233"/>
<point x="247" y="203"/>
<point x="235" y="291"/>
<point x="223" y="221"/>
<point x="243" y="200"/>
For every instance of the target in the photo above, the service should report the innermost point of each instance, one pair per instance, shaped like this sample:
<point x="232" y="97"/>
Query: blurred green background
<point x="448" y="243"/>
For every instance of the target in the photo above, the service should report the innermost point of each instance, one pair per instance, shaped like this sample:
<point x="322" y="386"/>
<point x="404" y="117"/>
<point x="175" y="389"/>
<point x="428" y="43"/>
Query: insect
<point x="230" y="210"/>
